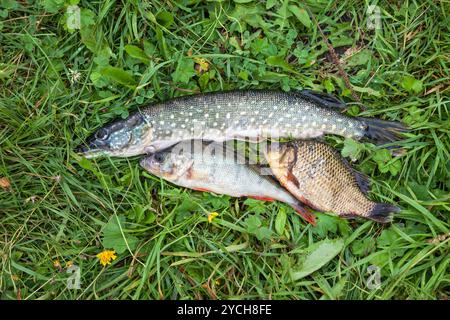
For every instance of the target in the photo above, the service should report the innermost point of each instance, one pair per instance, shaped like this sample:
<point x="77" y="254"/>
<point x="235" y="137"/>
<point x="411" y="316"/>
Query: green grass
<point x="56" y="87"/>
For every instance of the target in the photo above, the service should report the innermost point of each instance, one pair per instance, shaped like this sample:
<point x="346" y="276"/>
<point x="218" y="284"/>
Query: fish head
<point x="121" y="138"/>
<point x="168" y="164"/>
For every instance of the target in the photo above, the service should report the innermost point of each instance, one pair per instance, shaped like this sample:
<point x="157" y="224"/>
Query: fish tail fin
<point x="382" y="212"/>
<point x="381" y="131"/>
<point x="304" y="213"/>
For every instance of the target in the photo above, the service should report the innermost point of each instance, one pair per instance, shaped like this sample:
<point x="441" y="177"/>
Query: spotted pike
<point x="319" y="177"/>
<point x="220" y="116"/>
<point x="211" y="168"/>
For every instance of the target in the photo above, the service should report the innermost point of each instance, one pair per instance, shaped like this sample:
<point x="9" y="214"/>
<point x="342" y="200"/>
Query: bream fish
<point x="211" y="168"/>
<point x="219" y="116"/>
<point x="319" y="177"/>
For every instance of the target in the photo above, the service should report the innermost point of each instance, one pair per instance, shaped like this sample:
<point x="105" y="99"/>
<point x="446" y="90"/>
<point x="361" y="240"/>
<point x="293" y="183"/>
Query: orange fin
<point x="307" y="202"/>
<point x="305" y="214"/>
<point x="262" y="198"/>
<point x="201" y="189"/>
<point x="290" y="177"/>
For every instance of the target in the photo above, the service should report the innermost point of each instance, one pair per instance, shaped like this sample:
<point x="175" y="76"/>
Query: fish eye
<point x="159" y="157"/>
<point x="102" y="134"/>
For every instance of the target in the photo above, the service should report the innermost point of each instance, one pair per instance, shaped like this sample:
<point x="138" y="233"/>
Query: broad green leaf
<point x="278" y="61"/>
<point x="9" y="4"/>
<point x="255" y="206"/>
<point x="98" y="79"/>
<point x="234" y="42"/>
<point x="243" y="74"/>
<point x="359" y="58"/>
<point x="86" y="164"/>
<point x="254" y="226"/>
<point x="411" y="84"/>
<point x="362" y="247"/>
<point x="270" y="4"/>
<point x="262" y="45"/>
<point x="87" y="17"/>
<point x="328" y="84"/>
<point x="137" y="53"/>
<point x="88" y="38"/>
<point x="325" y="224"/>
<point x="149" y="48"/>
<point x="102" y="56"/>
<point x="385" y="163"/>
<point x="301" y="14"/>
<point x="280" y="221"/>
<point x="119" y="75"/>
<point x="164" y="18"/>
<point x="115" y="237"/>
<point x="263" y="233"/>
<point x="317" y="255"/>
<point x="52" y="6"/>
<point x="253" y="223"/>
<point x="352" y="149"/>
<point x="184" y="71"/>
<point x="203" y="80"/>
<point x="379" y="258"/>
<point x="387" y="238"/>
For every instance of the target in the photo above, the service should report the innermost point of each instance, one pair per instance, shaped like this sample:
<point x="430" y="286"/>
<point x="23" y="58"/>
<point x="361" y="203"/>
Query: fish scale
<point x="236" y="111"/>
<point x="220" y="116"/>
<point x="211" y="169"/>
<point x="318" y="176"/>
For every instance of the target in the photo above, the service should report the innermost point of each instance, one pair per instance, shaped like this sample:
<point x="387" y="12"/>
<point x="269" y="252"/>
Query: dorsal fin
<point x="324" y="99"/>
<point x="361" y="179"/>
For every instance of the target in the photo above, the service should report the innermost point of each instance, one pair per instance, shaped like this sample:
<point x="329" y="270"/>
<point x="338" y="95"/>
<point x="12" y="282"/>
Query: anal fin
<point x="362" y="180"/>
<point x="305" y="214"/>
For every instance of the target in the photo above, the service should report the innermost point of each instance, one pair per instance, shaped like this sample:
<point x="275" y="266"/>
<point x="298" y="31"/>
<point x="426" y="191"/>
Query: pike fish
<point x="219" y="116"/>
<point x="319" y="177"/>
<point x="211" y="168"/>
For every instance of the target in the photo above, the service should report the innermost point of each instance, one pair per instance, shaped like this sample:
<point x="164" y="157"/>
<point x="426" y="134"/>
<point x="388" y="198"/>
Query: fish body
<point x="318" y="176"/>
<point x="209" y="167"/>
<point x="219" y="116"/>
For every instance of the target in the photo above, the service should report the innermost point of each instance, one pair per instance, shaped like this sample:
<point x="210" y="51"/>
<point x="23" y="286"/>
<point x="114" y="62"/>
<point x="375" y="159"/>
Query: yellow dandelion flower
<point x="106" y="257"/>
<point x="56" y="263"/>
<point x="69" y="264"/>
<point x="211" y="216"/>
<point x="202" y="65"/>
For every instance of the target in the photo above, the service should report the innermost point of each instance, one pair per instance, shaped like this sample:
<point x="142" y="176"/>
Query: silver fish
<point x="210" y="167"/>
<point x="221" y="116"/>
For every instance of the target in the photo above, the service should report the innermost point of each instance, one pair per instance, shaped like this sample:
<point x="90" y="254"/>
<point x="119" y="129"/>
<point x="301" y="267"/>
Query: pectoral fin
<point x="262" y="198"/>
<point x="291" y="178"/>
<point x="201" y="189"/>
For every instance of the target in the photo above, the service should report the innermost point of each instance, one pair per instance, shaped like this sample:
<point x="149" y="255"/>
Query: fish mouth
<point x="149" y="164"/>
<point x="89" y="151"/>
